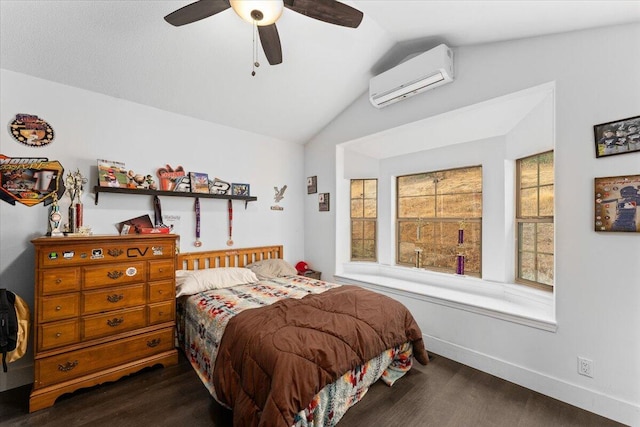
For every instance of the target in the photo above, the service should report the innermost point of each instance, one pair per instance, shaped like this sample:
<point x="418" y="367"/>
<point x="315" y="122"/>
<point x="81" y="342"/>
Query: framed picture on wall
<point x="312" y="185"/>
<point x="619" y="137"/>
<point x="323" y="202"/>
<point x="617" y="203"/>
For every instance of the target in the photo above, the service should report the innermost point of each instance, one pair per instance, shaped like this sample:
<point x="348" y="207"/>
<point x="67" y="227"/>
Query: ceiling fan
<point x="265" y="13"/>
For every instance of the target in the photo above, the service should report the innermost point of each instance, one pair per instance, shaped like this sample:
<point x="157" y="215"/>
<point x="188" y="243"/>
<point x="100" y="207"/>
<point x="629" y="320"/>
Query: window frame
<point x="363" y="219"/>
<point x="538" y="219"/>
<point x="439" y="220"/>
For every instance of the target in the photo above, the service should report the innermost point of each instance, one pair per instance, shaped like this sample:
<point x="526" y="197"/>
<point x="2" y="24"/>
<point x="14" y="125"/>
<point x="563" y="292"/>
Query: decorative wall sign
<point x="218" y="186"/>
<point x="170" y="178"/>
<point x="30" y="180"/>
<point x="31" y="130"/>
<point x="620" y="137"/>
<point x="323" y="202"/>
<point x="279" y="193"/>
<point x="278" y="196"/>
<point x="617" y="201"/>
<point x="312" y="185"/>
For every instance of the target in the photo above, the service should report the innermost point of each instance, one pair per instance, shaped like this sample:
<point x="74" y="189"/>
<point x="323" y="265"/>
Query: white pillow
<point x="189" y="282"/>
<point x="270" y="268"/>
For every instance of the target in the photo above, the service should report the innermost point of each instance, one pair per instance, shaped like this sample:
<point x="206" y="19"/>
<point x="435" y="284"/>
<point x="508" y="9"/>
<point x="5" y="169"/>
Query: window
<point x="534" y="219"/>
<point x="364" y="216"/>
<point x="432" y="208"/>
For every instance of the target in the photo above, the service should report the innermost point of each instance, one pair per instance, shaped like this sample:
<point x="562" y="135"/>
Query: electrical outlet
<point x="585" y="367"/>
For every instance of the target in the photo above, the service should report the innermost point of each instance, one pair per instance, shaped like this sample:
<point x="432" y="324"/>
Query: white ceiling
<point x="125" y="49"/>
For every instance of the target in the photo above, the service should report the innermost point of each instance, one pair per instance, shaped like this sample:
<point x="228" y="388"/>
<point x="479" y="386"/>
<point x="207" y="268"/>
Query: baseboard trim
<point x="17" y="375"/>
<point x="589" y="400"/>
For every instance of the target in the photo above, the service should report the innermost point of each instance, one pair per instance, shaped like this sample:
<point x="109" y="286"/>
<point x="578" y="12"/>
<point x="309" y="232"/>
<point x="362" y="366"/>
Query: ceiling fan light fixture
<point x="262" y="12"/>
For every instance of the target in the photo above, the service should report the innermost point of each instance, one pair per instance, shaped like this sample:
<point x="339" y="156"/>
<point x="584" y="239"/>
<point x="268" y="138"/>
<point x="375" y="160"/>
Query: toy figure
<point x="151" y="183"/>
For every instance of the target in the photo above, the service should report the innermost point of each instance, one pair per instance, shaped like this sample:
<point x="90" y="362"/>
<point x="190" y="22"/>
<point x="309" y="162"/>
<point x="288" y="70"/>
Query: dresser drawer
<point x="161" y="312"/>
<point x="114" y="274"/>
<point x="60" y="307"/>
<point x="63" y="367"/>
<point x="67" y="254"/>
<point x="162" y="291"/>
<point x="59" y="280"/>
<point x="58" y="334"/>
<point x="113" y="322"/>
<point x="161" y="269"/>
<point x="113" y="298"/>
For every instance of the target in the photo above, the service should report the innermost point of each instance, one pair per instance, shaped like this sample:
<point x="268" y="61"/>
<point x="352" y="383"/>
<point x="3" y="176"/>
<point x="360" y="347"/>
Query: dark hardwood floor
<point x="444" y="393"/>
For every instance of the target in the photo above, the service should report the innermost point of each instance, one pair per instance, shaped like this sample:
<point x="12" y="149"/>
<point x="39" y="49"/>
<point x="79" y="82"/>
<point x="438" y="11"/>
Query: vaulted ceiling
<point x="125" y="49"/>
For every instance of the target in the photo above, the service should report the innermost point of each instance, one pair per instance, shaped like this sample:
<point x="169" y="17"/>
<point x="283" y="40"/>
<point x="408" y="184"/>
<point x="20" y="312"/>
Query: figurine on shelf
<point x="151" y="183"/>
<point x="136" y="180"/>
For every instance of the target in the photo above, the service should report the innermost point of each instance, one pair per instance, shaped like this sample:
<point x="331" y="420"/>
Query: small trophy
<point x="75" y="185"/>
<point x="54" y="218"/>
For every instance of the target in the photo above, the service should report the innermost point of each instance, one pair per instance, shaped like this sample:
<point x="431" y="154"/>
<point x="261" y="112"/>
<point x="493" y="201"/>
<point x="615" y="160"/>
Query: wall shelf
<point x="98" y="189"/>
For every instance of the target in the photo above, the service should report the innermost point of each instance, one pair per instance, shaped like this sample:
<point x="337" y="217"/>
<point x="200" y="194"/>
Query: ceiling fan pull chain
<point x="255" y="48"/>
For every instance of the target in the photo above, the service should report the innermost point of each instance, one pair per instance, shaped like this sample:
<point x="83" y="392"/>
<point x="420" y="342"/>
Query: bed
<point x="280" y="349"/>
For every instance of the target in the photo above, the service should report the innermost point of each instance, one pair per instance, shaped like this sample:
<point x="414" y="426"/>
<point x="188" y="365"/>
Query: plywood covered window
<point x="364" y="219"/>
<point x="432" y="208"/>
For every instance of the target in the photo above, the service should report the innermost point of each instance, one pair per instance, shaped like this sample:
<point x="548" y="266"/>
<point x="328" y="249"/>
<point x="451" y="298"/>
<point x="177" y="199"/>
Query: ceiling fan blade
<point x="270" y="41"/>
<point x="196" y="11"/>
<point x="330" y="11"/>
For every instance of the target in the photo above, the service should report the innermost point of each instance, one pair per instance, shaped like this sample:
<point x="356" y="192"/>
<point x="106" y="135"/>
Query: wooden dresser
<point x="104" y="308"/>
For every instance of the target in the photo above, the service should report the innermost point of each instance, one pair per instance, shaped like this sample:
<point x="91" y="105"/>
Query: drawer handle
<point x="58" y="308"/>
<point x="115" y="274"/>
<point x="58" y="334"/>
<point x="58" y="281"/>
<point x="68" y="366"/>
<point x="115" y="252"/>
<point x="154" y="342"/>
<point x="114" y="298"/>
<point x="115" y="321"/>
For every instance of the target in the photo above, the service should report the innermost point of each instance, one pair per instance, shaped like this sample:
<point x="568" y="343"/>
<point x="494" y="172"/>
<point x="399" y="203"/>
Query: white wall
<point x="90" y="126"/>
<point x="597" y="274"/>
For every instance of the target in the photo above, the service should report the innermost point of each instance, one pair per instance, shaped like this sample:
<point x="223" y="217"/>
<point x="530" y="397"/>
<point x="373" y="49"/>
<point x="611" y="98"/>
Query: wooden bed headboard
<point x="227" y="257"/>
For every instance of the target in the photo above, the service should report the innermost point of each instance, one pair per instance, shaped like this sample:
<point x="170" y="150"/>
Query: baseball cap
<point x="302" y="267"/>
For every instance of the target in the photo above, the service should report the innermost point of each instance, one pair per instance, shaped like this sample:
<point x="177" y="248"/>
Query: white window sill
<point x="513" y="303"/>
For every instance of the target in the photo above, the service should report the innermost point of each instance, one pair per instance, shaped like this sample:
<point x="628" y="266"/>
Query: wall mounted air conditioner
<point x="425" y="71"/>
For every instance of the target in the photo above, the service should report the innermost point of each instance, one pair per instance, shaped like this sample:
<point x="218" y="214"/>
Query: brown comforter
<point x="273" y="360"/>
